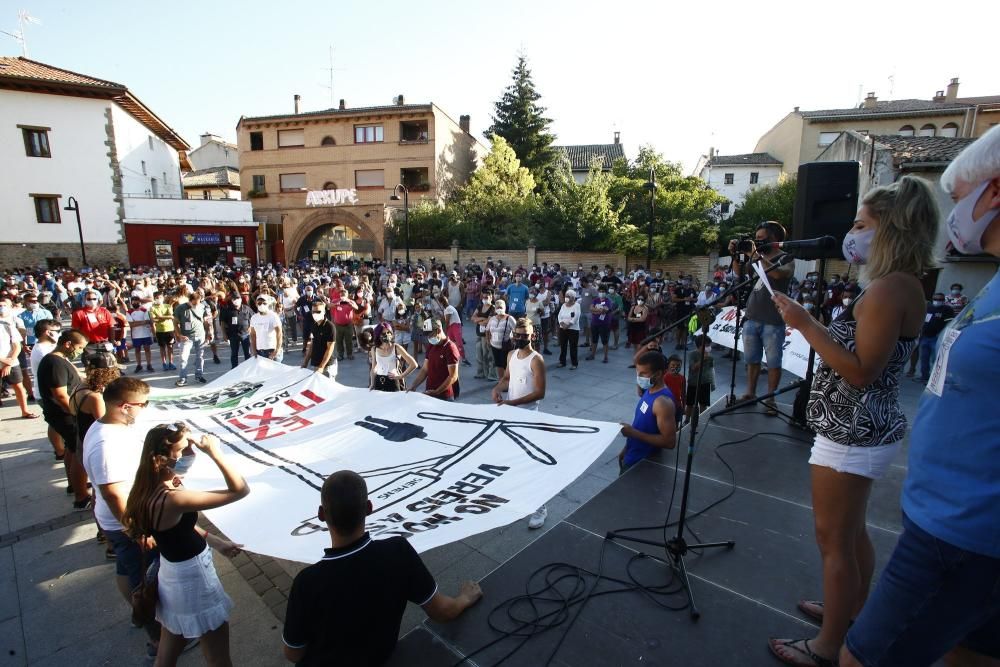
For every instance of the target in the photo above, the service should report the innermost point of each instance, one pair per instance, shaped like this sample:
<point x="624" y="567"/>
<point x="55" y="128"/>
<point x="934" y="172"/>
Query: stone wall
<point x="37" y="254"/>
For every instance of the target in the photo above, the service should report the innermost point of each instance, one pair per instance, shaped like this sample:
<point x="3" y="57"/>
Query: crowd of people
<point x="937" y="594"/>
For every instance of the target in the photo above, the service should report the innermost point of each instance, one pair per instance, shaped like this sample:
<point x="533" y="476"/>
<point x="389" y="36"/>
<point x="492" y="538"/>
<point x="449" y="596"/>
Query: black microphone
<point x="803" y="249"/>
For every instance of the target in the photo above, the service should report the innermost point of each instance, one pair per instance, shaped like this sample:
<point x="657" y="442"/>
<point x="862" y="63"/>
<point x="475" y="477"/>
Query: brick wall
<point x="570" y="259"/>
<point x="35" y="254"/>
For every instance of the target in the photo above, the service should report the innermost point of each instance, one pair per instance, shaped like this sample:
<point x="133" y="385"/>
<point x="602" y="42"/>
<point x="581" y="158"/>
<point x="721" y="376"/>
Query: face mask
<point x="643" y="382"/>
<point x="237" y="302"/>
<point x="182" y="465"/>
<point x="602" y="295"/>
<point x="808" y="306"/>
<point x="33" y="306"/>
<point x="857" y="246"/>
<point x="846" y="301"/>
<point x="318" y="317"/>
<point x="158" y="301"/>
<point x="639" y="302"/>
<point x="75" y="354"/>
<point x="53" y="335"/>
<point x="956" y="292"/>
<point x="965" y="232"/>
<point x="567" y="300"/>
<point x="436" y="340"/>
<point x="501" y="311"/>
<point x="520" y="344"/>
<point x="92" y="302"/>
<point x="262" y="308"/>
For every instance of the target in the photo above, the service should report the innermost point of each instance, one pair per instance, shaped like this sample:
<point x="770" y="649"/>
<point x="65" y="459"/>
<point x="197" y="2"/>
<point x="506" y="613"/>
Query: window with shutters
<point x="369" y="179"/>
<point x="292" y="182"/>
<point x="291" y="138"/>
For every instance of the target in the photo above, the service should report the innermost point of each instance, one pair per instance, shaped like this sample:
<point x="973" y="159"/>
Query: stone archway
<point x="373" y="231"/>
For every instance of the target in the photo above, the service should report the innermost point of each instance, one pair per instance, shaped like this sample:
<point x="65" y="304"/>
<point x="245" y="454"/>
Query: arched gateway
<point x="329" y="234"/>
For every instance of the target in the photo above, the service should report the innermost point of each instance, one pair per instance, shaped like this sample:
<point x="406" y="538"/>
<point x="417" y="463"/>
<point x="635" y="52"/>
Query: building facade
<point x="71" y="139"/>
<point x="802" y="135"/>
<point x="321" y="182"/>
<point x="213" y="151"/>
<point x="733" y="176"/>
<point x="583" y="156"/>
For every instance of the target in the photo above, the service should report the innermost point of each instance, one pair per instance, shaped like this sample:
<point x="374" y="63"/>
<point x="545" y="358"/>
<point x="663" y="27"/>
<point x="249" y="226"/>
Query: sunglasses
<point x="136" y="405"/>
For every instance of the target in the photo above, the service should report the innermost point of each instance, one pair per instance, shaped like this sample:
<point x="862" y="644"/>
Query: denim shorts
<point x="931" y="597"/>
<point x="761" y="339"/>
<point x="128" y="556"/>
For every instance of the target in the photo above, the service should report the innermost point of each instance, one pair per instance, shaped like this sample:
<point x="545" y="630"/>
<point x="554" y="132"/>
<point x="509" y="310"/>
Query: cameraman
<point x="763" y="329"/>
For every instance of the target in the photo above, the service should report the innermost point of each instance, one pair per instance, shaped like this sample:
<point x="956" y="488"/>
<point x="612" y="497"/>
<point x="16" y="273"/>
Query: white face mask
<point x="436" y="340"/>
<point x="262" y="308"/>
<point x="237" y="302"/>
<point x="846" y="301"/>
<point x="857" y="246"/>
<point x="964" y="231"/>
<point x="319" y="317"/>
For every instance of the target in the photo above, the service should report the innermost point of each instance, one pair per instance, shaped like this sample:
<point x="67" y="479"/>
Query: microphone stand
<point x="676" y="548"/>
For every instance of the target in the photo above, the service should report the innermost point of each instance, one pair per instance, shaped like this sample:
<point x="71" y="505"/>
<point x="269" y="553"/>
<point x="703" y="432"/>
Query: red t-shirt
<point x="96" y="325"/>
<point x="343" y="314"/>
<point x="439" y="357"/>
<point x="675" y="383"/>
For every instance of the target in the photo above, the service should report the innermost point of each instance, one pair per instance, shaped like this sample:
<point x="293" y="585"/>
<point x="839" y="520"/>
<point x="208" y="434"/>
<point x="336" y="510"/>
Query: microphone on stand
<point x="809" y="248"/>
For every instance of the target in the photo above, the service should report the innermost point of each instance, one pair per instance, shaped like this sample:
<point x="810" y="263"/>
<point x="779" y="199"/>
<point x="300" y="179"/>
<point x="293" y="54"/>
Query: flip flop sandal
<point x="30" y="415"/>
<point x="806" y="607"/>
<point x="817" y="660"/>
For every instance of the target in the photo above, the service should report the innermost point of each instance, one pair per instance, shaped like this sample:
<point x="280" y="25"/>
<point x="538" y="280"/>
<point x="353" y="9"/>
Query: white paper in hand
<point x="763" y="277"/>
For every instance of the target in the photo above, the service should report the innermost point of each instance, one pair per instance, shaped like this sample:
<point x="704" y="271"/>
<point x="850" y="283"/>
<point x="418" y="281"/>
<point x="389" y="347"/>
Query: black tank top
<point x="83" y="420"/>
<point x="181" y="541"/>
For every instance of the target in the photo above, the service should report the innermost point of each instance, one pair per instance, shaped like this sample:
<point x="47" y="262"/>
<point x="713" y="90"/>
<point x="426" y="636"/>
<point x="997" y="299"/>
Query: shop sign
<point x="164" y="252"/>
<point x="201" y="238"/>
<point x="331" y="197"/>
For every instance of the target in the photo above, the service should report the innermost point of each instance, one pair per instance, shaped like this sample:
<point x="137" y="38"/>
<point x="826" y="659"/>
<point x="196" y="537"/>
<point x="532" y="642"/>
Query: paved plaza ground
<point x="58" y="603"/>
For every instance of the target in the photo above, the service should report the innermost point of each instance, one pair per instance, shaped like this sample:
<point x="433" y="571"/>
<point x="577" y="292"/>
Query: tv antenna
<point x="330" y="70"/>
<point x="23" y="19"/>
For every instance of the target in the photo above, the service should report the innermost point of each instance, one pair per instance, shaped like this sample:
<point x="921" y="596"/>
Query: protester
<point x="11" y="343"/>
<point x="499" y="329"/>
<point x="938" y="592"/>
<point x="955" y="299"/>
<point x="234" y="316"/>
<point x="854" y="400"/>
<point x="265" y="330"/>
<point x="57" y="380"/>
<point x="343" y="318"/>
<point x="192" y="603"/>
<point x="763" y="328"/>
<point x="485" y="368"/>
<point x="600" y="324"/>
<point x="453" y="327"/>
<point x="192" y="321"/>
<point x="389" y="363"/>
<point x="700" y="377"/>
<point x="440" y="367"/>
<point x="141" y="328"/>
<point x="346" y="609"/>
<point x="524" y="383"/>
<point x="163" y="327"/>
<point x="569" y="329"/>
<point x="95" y="322"/>
<point x="402" y="323"/>
<point x="319" y="346"/>
<point x="937" y="318"/>
<point x="654" y="425"/>
<point x="47" y="334"/>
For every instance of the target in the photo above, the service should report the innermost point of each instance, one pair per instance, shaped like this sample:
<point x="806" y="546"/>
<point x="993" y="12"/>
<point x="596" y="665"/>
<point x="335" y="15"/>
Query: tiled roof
<point x="30" y="70"/>
<point x="340" y="112"/>
<point x="889" y="108"/>
<point x="910" y="150"/>
<point x="985" y="99"/>
<point x="225" y="177"/>
<point x="24" y="74"/>
<point x="745" y="159"/>
<point x="580" y="157"/>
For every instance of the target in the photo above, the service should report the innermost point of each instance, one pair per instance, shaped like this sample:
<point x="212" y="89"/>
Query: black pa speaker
<point x="826" y="201"/>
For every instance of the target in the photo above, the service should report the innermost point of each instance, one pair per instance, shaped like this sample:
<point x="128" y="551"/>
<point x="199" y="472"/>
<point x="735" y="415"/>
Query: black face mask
<point x="521" y="343"/>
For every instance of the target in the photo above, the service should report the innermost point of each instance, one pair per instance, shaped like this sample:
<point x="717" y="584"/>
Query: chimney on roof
<point x="298" y="98"/>
<point x="939" y="96"/>
<point x="207" y="137"/>
<point x="711" y="153"/>
<point x="796" y="109"/>
<point x="399" y="100"/>
<point x="871" y="100"/>
<point x="618" y="137"/>
<point x="464" y="123"/>
<point x="952" y="93"/>
<point x="343" y="104"/>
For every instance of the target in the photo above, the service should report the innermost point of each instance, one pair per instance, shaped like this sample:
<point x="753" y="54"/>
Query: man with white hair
<point x="940" y="592"/>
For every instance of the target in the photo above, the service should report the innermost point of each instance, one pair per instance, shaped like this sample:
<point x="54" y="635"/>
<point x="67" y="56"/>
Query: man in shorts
<point x="141" y="327"/>
<point x="163" y="327"/>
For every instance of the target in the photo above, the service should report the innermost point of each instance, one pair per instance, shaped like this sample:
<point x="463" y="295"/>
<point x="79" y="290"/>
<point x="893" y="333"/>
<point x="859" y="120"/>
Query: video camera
<point x="745" y="244"/>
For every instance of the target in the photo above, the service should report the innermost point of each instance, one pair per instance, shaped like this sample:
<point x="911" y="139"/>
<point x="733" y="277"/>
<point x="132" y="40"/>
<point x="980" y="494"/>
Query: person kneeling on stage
<point x="346" y="609"/>
<point x="655" y="424"/>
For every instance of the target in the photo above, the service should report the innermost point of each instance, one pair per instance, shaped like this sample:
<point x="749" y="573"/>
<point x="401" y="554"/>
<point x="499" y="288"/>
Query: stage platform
<point x="745" y="594"/>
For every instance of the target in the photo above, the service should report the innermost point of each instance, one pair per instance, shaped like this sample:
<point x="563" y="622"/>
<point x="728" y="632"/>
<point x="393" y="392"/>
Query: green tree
<point x="684" y="221"/>
<point x="520" y="119"/>
<point x="577" y="216"/>
<point x="774" y="201"/>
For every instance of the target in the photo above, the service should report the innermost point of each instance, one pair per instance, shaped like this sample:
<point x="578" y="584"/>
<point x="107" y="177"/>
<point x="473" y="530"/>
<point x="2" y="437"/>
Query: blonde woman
<point x="853" y="404"/>
<point x="192" y="602"/>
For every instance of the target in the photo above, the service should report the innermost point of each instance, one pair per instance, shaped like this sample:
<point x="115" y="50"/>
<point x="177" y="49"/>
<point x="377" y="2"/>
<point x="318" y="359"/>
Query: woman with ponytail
<point x="854" y="400"/>
<point x="192" y="602"/>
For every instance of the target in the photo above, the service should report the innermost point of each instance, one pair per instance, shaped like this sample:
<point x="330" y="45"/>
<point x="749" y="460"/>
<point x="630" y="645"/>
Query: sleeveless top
<point x="852" y="416"/>
<point x="181" y="541"/>
<point x="644" y="421"/>
<point x="385" y="364"/>
<point x="84" y="420"/>
<point x="522" y="378"/>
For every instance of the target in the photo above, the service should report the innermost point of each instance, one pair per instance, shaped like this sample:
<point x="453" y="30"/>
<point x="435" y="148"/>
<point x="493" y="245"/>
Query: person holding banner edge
<point x="853" y="403"/>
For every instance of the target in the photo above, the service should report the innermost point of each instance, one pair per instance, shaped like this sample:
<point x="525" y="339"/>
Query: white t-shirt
<point x="140" y="323"/>
<point x="387" y="307"/>
<point x="8" y="336"/>
<point x="289" y="296"/>
<point x="499" y="329"/>
<point x="451" y="316"/>
<point x="570" y="315"/>
<point x="40" y="349"/>
<point x="111" y="454"/>
<point x="264" y="326"/>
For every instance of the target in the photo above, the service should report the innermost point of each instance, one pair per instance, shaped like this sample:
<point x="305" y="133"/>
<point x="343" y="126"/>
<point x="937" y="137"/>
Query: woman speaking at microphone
<point x="854" y="400"/>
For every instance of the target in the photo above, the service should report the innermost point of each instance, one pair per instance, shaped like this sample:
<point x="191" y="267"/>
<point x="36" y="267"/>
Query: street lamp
<point x="651" y="186"/>
<point x="73" y="205"/>
<point x="406" y="214"/>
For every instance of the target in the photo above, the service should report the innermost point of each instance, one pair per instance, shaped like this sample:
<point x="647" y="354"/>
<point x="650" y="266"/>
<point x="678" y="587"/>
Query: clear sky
<point x="682" y="76"/>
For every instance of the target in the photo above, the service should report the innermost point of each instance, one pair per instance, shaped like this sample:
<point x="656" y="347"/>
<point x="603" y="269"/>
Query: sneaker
<point x="172" y="367"/>
<point x="149" y="369"/>
<point x="181" y="383"/>
<point x="589" y="357"/>
<point x="109" y="554"/>
<point x="216" y="360"/>
<point x="201" y="379"/>
<point x="537" y="519"/>
<point x="138" y="369"/>
<point x="166" y="367"/>
<point x="573" y="367"/>
<point x="83" y="505"/>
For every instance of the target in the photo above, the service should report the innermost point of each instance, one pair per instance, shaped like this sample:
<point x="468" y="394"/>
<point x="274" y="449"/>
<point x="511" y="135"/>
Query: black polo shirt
<point x="321" y="334"/>
<point x="346" y="609"/>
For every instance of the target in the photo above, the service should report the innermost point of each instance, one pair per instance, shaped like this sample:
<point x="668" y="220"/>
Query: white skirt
<point x="870" y="462"/>
<point x="192" y="600"/>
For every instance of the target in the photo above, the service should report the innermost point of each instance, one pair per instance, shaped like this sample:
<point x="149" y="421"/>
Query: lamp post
<point x="651" y="186"/>
<point x="406" y="215"/>
<point x="73" y="205"/>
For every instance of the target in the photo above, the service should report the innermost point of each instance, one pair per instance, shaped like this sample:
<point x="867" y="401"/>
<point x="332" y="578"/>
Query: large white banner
<point x="436" y="471"/>
<point x="795" y="358"/>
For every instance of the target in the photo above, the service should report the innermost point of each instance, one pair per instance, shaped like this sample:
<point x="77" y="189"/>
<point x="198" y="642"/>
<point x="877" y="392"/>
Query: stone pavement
<point x="58" y="603"/>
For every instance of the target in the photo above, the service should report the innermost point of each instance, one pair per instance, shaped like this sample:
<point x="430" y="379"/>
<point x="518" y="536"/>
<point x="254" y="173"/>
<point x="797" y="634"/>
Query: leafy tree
<point x="774" y="201"/>
<point x="578" y="216"/>
<point x="520" y="119"/>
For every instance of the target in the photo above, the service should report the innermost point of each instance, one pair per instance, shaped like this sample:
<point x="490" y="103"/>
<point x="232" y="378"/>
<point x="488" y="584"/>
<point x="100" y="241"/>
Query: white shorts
<point x="870" y="462"/>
